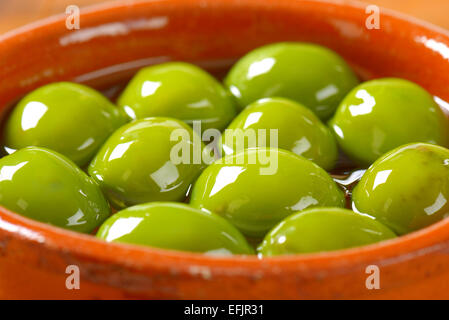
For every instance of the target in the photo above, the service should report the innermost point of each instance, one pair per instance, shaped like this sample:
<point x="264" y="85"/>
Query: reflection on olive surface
<point x="306" y="73"/>
<point x="174" y="226"/>
<point x="44" y="185"/>
<point x="135" y="165"/>
<point x="69" y="118"/>
<point x="178" y="90"/>
<point x="249" y="188"/>
<point x="323" y="229"/>
<point x="292" y="126"/>
<point x="380" y="115"/>
<point x="407" y="189"/>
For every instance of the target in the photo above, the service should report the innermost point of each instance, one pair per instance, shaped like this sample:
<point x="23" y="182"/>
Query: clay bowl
<point x="118" y="38"/>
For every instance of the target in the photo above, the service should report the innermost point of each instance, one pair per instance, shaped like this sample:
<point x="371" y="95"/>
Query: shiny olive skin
<point x="178" y="90"/>
<point x="406" y="189"/>
<point x="135" y="164"/>
<point x="46" y="186"/>
<point x="174" y="226"/>
<point x="257" y="188"/>
<point x="309" y="74"/>
<point x="383" y="114"/>
<point x="323" y="229"/>
<point x="297" y="129"/>
<point x="69" y="118"/>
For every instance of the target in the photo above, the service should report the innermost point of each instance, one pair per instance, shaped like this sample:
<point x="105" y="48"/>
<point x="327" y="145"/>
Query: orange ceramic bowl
<point x="114" y="41"/>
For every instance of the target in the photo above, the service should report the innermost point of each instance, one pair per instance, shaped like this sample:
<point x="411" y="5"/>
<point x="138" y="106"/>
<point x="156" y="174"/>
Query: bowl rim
<point x="421" y="242"/>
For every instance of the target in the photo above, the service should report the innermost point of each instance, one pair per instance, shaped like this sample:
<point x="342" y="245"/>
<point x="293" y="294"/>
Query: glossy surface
<point x="309" y="74"/>
<point x="69" y="118"/>
<point x="257" y="188"/>
<point x="407" y="189"/>
<point x="323" y="229"/>
<point x="380" y="115"/>
<point x="178" y="90"/>
<point x="153" y="159"/>
<point x="45" y="186"/>
<point x="284" y="124"/>
<point x="176" y="227"/>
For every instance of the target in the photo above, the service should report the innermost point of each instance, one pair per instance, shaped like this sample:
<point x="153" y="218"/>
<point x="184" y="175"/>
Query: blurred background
<point x="14" y="13"/>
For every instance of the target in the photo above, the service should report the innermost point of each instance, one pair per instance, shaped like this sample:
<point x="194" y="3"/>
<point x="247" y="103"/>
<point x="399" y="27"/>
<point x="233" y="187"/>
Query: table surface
<point x="14" y="13"/>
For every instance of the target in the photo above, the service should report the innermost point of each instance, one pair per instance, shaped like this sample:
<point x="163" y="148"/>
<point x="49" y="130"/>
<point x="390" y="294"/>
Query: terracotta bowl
<point x="117" y="39"/>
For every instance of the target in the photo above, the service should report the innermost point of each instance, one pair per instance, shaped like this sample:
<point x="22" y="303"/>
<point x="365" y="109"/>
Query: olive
<point x="383" y="114"/>
<point x="309" y="74"/>
<point x="174" y="226"/>
<point x="323" y="229"/>
<point x="69" y="118"/>
<point x="46" y="186"/>
<point x="178" y="90"/>
<point x="406" y="189"/>
<point x="257" y="188"/>
<point x="152" y="159"/>
<point x="283" y="123"/>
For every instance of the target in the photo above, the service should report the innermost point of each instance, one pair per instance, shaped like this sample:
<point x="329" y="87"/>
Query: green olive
<point x="279" y="122"/>
<point x="43" y="185"/>
<point x="69" y="118"/>
<point x="323" y="229"/>
<point x="257" y="188"/>
<point x="406" y="189"/>
<point x="178" y="90"/>
<point x="380" y="115"/>
<point x="153" y="159"/>
<point x="174" y="226"/>
<point x="309" y="74"/>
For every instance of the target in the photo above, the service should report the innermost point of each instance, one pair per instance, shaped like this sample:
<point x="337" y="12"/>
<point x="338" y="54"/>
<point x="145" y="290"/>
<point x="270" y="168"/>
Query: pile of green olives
<point x="261" y="162"/>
